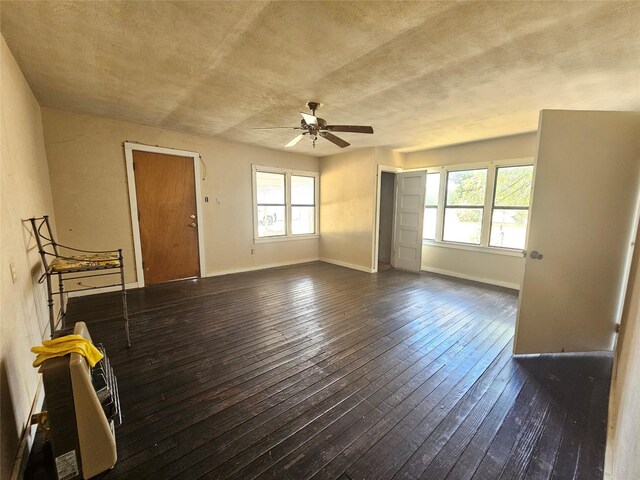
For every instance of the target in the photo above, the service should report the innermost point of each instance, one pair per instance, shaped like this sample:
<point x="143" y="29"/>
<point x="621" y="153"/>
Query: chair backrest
<point x="44" y="237"/>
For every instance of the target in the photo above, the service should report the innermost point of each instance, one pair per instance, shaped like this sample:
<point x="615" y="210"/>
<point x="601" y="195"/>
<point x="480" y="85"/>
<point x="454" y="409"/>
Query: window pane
<point x="513" y="186"/>
<point x="303" y="220"/>
<point x="508" y="228"/>
<point x="462" y="225"/>
<point x="302" y="190"/>
<point x="271" y="221"/>
<point x="270" y="187"/>
<point x="433" y="189"/>
<point x="429" y="226"/>
<point x="466" y="187"/>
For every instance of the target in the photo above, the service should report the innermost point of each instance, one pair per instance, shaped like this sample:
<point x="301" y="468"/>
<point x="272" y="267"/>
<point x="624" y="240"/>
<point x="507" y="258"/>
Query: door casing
<point x="129" y="148"/>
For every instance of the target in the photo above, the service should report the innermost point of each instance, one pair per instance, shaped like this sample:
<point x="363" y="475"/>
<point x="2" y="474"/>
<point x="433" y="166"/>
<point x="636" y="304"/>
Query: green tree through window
<point x="511" y="206"/>
<point x="513" y="187"/>
<point x="467" y="187"/>
<point x="497" y="190"/>
<point x="465" y="205"/>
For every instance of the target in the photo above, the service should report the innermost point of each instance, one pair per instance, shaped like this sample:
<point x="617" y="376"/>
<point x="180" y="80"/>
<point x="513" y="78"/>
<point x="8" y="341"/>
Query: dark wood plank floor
<point x="317" y="371"/>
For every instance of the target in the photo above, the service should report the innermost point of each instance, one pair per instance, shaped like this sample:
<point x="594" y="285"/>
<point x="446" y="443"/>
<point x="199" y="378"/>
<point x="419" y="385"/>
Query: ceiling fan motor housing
<point x="322" y="124"/>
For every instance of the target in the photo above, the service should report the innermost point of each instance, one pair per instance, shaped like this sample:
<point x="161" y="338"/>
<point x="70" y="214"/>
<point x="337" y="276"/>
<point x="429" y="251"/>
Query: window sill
<point x="285" y="239"/>
<point x="474" y="248"/>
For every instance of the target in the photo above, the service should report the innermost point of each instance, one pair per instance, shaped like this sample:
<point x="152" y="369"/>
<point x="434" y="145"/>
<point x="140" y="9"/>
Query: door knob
<point x="536" y="255"/>
<point x="193" y="225"/>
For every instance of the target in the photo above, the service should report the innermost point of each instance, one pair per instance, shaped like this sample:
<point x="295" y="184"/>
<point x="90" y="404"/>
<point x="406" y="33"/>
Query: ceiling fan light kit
<point x="317" y="127"/>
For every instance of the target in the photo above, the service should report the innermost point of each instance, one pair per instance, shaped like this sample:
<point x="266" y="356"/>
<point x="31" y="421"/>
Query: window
<point x="303" y="205"/>
<point x="511" y="206"/>
<point x="464" y="206"/>
<point x="484" y="205"/>
<point x="431" y="206"/>
<point x="270" y="189"/>
<point x="286" y="203"/>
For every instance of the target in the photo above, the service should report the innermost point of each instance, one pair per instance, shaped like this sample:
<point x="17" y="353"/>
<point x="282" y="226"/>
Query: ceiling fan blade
<point x="349" y="128"/>
<point x="295" y="141"/>
<point x="273" y="128"/>
<point x="309" y="119"/>
<point x="333" y="139"/>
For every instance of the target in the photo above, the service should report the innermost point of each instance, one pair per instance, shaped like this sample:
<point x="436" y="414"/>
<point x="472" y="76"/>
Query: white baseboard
<point x="26" y="443"/>
<point x="96" y="291"/>
<point x="348" y="265"/>
<point x="260" y="267"/>
<point x="490" y="281"/>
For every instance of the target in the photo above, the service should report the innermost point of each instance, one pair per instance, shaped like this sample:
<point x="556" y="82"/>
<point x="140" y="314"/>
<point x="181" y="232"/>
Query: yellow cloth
<point x="59" y="347"/>
<point x="91" y="261"/>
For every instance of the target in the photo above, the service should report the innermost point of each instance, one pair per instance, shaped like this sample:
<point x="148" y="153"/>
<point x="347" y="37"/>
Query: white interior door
<point x="409" y="213"/>
<point x="580" y="228"/>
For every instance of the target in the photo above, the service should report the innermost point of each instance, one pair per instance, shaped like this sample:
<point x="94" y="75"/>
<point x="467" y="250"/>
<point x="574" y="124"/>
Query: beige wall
<point x="347" y="191"/>
<point x="503" y="148"/>
<point x="25" y="193"/>
<point x="487" y="267"/>
<point x="482" y="266"/>
<point x="348" y="203"/>
<point x="625" y="414"/>
<point x="89" y="185"/>
<point x="389" y="158"/>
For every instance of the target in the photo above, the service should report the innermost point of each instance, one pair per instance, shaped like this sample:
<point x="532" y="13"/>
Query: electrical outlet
<point x="14" y="275"/>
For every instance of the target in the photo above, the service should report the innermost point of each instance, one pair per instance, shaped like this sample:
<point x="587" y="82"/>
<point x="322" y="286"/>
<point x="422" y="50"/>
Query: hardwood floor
<point x="317" y="371"/>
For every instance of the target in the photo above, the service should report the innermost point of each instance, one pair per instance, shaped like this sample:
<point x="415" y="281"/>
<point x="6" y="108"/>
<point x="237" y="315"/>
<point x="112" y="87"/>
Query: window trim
<point x="469" y="207"/>
<point x="256" y="204"/>
<point x="314" y="205"/>
<point x="436" y="206"/>
<point x="515" y="208"/>
<point x="488" y="206"/>
<point x="287" y="172"/>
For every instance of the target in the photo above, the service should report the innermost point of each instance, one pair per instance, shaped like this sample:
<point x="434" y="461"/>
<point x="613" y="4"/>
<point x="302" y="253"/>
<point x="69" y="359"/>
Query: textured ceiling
<point x="423" y="74"/>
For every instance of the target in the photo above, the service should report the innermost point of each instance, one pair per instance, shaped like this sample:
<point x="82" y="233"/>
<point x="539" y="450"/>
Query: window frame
<point x="513" y="208"/>
<point x="432" y="206"/>
<point x="288" y="236"/>
<point x="468" y="207"/>
<point x="314" y="205"/>
<point x="488" y="207"/>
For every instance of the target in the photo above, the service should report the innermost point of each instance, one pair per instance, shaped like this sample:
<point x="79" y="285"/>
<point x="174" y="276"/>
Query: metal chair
<point x="104" y="262"/>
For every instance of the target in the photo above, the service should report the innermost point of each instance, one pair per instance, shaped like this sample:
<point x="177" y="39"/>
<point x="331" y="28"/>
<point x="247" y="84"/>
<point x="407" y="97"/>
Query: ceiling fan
<point x="317" y="127"/>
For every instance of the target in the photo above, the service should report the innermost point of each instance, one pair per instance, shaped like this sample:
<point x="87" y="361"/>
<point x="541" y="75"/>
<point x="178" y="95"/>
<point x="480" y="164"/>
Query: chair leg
<point x="52" y="323"/>
<point x="63" y="312"/>
<point x="124" y="301"/>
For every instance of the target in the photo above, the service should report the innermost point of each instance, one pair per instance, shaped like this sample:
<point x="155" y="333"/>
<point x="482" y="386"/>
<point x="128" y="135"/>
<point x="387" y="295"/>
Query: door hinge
<point x="134" y="166"/>
<point x="617" y="328"/>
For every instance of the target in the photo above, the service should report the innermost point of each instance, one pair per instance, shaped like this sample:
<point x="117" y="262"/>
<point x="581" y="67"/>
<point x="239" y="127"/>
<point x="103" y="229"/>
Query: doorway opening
<point x="385" y="225"/>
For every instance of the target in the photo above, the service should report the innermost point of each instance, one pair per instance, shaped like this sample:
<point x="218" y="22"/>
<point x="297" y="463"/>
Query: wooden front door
<point x="166" y="196"/>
